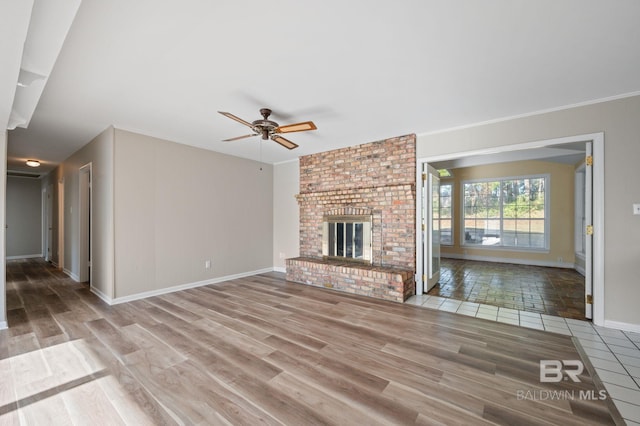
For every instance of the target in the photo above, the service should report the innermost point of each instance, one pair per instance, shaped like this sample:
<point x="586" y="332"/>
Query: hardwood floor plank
<point x="389" y="367"/>
<point x="498" y="397"/>
<point x="444" y="360"/>
<point x="115" y="340"/>
<point x="272" y="327"/>
<point x="18" y="322"/>
<point x="43" y="411"/>
<point x="260" y="350"/>
<point x="227" y="403"/>
<point x="344" y="389"/>
<point x="42" y="322"/>
<point x="232" y="337"/>
<point x="336" y="411"/>
<point x="432" y="409"/>
<point x="153" y="352"/>
<point x="173" y="309"/>
<point x="276" y="402"/>
<point x="78" y="399"/>
<point x="131" y="399"/>
<point x="23" y="343"/>
<point x="329" y="366"/>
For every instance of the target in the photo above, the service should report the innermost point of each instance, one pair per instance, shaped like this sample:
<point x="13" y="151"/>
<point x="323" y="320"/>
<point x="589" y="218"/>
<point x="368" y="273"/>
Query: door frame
<point x="85" y="222"/>
<point x="598" y="254"/>
<point x="430" y="275"/>
<point x="47" y="222"/>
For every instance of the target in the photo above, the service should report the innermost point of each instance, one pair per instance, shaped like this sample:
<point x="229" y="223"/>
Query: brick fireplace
<point x="375" y="180"/>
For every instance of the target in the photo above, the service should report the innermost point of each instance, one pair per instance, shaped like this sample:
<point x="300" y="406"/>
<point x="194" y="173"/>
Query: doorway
<point x="47" y="223"/>
<point x="85" y="204"/>
<point x="594" y="270"/>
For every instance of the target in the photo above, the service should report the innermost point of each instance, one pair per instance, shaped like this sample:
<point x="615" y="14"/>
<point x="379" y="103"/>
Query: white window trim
<point x="547" y="203"/>
<point x="453" y="210"/>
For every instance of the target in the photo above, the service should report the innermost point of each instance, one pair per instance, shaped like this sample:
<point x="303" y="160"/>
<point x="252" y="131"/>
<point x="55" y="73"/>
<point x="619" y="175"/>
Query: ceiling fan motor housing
<point x="265" y="126"/>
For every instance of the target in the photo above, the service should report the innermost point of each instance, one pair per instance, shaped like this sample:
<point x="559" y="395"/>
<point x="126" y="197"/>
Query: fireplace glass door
<point x="347" y="238"/>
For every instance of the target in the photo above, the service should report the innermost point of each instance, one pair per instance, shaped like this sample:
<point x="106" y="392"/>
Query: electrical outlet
<point x="207" y="264"/>
<point x="636" y="209"/>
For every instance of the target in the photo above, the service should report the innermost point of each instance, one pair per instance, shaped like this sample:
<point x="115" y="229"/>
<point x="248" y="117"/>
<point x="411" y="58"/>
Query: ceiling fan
<point x="269" y="129"/>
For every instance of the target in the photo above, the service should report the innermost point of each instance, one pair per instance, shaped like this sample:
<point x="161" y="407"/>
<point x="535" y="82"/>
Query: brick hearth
<point x="378" y="179"/>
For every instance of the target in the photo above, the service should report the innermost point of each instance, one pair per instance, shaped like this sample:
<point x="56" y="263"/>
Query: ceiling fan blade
<point x="296" y="127"/>
<point x="239" y="137"/>
<point x="284" y="142"/>
<point x="238" y="119"/>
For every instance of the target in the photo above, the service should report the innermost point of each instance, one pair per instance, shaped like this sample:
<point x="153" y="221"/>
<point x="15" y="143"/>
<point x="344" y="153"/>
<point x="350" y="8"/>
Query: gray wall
<point x="286" y="220"/>
<point x="618" y="119"/>
<point x="177" y="206"/>
<point x="98" y="152"/>
<point x="24" y="217"/>
<point x="3" y="253"/>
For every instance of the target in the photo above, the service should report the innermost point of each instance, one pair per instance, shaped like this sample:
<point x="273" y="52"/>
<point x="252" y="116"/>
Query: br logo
<point x="553" y="370"/>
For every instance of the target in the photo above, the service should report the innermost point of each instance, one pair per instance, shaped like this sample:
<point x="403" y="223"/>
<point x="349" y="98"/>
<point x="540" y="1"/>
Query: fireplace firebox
<point x="347" y="238"/>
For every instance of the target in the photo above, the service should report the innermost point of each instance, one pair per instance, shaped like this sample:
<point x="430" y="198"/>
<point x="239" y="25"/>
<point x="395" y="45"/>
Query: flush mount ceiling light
<point x="33" y="163"/>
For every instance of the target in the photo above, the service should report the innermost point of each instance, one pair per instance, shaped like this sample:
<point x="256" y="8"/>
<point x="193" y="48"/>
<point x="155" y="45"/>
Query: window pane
<point x="523" y="230"/>
<point x="339" y="239"/>
<point x="349" y="240"/>
<point x="445" y="211"/>
<point x="332" y="239"/>
<point x="537" y="233"/>
<point x="509" y="212"/>
<point x="358" y="242"/>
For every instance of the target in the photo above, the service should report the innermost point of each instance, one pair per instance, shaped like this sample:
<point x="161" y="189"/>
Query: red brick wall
<point x="382" y="283"/>
<point x="378" y="177"/>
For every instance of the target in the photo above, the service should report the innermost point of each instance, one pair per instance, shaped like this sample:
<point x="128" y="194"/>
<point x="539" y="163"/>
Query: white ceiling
<point x="570" y="153"/>
<point x="361" y="70"/>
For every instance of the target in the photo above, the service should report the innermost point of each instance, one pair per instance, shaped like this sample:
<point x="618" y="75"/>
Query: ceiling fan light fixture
<point x="32" y="163"/>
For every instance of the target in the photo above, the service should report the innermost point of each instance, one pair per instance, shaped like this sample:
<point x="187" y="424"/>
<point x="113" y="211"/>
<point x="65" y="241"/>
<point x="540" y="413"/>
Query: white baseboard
<point x="101" y="295"/>
<point x="180" y="287"/>
<point x="3" y="325"/>
<point x="24" y="256"/>
<point x="508" y="260"/>
<point x="71" y="275"/>
<point x="580" y="269"/>
<point x="280" y="269"/>
<point x="622" y="326"/>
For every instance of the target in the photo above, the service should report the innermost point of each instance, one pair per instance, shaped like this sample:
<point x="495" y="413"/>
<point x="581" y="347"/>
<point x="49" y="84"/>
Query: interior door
<point x="588" y="232"/>
<point x="432" y="233"/>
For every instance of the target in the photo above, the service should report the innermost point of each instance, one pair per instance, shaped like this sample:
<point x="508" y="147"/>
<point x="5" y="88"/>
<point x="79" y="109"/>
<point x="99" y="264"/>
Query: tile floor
<point x="614" y="354"/>
<point x="551" y="291"/>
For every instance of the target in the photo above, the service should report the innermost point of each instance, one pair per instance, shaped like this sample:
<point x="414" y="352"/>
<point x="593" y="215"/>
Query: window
<point x="506" y="213"/>
<point x="445" y="214"/>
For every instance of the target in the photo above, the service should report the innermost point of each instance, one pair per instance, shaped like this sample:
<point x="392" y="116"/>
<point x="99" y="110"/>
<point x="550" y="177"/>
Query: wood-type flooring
<point x="261" y="350"/>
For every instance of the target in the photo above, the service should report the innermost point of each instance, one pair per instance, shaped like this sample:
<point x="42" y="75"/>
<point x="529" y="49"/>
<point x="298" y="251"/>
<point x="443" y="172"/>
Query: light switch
<point x="636" y="209"/>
